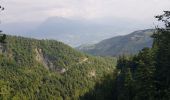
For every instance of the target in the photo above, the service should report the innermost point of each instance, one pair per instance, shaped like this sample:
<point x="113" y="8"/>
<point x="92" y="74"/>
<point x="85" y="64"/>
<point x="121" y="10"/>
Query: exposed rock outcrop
<point x="45" y="61"/>
<point x="92" y="73"/>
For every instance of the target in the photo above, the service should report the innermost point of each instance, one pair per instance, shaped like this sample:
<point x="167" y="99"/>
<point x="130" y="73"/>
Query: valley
<point x="84" y="50"/>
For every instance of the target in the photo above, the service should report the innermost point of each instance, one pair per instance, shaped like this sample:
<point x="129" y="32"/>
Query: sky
<point x="22" y="17"/>
<point x="40" y="10"/>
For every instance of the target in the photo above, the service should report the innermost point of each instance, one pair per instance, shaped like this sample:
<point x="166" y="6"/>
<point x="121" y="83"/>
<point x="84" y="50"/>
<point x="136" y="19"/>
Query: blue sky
<point x="39" y="10"/>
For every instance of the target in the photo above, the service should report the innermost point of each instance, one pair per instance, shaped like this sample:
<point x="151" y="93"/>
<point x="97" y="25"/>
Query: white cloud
<point x="31" y="10"/>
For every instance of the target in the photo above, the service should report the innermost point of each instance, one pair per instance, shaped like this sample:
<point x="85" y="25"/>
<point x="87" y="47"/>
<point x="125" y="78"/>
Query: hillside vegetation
<point x="144" y="76"/>
<point x="128" y="44"/>
<point x="47" y="70"/>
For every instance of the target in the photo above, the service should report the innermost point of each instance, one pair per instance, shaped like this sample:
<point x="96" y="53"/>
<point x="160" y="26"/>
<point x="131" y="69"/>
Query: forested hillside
<point x="32" y="69"/>
<point x="145" y="76"/>
<point x="47" y="70"/>
<point x="127" y="44"/>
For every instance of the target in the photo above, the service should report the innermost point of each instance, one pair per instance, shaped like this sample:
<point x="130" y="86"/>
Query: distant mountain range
<point x="127" y="44"/>
<point x="74" y="32"/>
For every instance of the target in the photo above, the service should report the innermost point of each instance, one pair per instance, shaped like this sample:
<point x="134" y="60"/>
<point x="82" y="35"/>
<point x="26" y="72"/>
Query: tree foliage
<point x="145" y="76"/>
<point x="24" y="77"/>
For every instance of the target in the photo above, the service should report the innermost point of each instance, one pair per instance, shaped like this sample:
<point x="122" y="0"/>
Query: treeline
<point x="145" y="76"/>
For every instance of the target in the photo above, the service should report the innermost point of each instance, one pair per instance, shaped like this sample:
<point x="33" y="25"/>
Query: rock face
<point x="41" y="59"/>
<point x="92" y="73"/>
<point x="44" y="60"/>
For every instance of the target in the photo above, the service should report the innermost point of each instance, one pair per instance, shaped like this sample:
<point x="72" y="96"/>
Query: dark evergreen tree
<point x="144" y="76"/>
<point x="2" y="38"/>
<point x="124" y="80"/>
<point x="162" y="48"/>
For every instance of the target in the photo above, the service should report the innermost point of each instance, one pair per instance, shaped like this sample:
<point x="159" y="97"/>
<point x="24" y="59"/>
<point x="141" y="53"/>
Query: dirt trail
<point x="83" y="60"/>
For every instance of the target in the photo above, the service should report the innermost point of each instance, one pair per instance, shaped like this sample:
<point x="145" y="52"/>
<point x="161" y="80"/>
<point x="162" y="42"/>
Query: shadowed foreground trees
<point x="145" y="76"/>
<point x="162" y="48"/>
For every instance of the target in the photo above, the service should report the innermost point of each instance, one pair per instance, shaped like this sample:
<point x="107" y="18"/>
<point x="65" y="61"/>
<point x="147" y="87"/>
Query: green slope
<point x="128" y="44"/>
<point x="48" y="70"/>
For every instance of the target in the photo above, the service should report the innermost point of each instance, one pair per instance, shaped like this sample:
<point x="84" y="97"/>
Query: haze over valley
<point x="74" y="32"/>
<point x="79" y="22"/>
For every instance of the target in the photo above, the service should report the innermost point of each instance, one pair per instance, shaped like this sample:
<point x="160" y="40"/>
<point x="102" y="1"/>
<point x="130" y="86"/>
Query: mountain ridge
<point x="73" y="31"/>
<point x="125" y="44"/>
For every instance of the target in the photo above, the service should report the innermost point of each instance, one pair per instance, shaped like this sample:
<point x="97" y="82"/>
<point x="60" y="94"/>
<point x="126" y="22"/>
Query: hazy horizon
<point x="24" y="17"/>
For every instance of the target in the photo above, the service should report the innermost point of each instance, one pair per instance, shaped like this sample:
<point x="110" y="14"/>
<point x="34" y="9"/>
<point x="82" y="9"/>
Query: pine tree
<point x="124" y="80"/>
<point x="144" y="77"/>
<point x="162" y="45"/>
